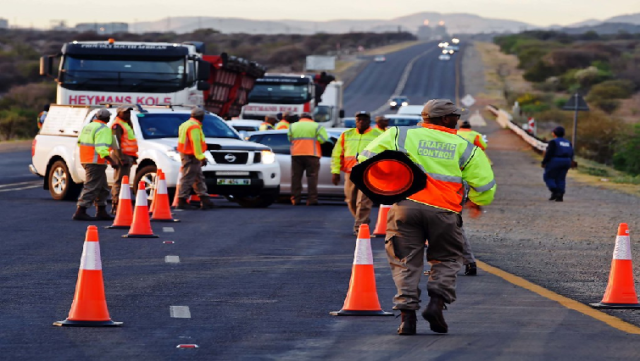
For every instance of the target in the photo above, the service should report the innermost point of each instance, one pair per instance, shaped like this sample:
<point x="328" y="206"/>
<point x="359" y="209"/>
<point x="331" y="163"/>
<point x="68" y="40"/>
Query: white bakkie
<point x="242" y="171"/>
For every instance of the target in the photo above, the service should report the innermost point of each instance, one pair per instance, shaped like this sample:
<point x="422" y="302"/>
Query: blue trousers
<point x="555" y="174"/>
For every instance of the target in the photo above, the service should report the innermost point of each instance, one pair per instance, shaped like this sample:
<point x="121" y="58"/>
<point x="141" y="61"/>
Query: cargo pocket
<point x="389" y="246"/>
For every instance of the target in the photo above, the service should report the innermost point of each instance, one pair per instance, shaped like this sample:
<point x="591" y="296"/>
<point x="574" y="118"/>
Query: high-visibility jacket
<point x="474" y="137"/>
<point x="283" y="124"/>
<point x="41" y="117"/>
<point x="266" y="126"/>
<point x="128" y="141"/>
<point x="94" y="142"/>
<point x="449" y="162"/>
<point x="349" y="145"/>
<point x="306" y="136"/>
<point x="381" y="129"/>
<point x="191" y="139"/>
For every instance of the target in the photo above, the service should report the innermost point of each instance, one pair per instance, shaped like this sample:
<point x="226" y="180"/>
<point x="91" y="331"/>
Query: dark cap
<point x="123" y="109"/>
<point x="465" y="125"/>
<point x="197" y="112"/>
<point x="559" y="131"/>
<point x="440" y="107"/>
<point x="103" y="114"/>
<point x="306" y="116"/>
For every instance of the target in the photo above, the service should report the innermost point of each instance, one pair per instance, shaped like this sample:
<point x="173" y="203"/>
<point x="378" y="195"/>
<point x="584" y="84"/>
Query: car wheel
<point x="148" y="176"/>
<point x="262" y="201"/>
<point x="61" y="186"/>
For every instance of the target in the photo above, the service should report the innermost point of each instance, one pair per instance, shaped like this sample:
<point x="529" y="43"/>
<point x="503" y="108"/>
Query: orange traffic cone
<point x="381" y="224"/>
<point x="124" y="212"/>
<point x="175" y="196"/>
<point x="621" y="292"/>
<point x="162" y="211"/>
<point x="141" y="226"/>
<point x="362" y="297"/>
<point x="89" y="307"/>
<point x="152" y="207"/>
<point x="194" y="199"/>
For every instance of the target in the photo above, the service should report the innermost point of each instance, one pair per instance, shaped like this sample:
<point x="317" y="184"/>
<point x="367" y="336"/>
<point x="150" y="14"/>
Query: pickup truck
<point x="243" y="172"/>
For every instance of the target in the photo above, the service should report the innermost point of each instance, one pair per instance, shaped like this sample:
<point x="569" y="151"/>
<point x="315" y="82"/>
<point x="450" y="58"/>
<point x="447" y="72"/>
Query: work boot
<point x="433" y="315"/>
<point x="183" y="204"/>
<point x="470" y="269"/>
<point x="408" y="325"/>
<point x="81" y="215"/>
<point x="102" y="215"/>
<point x="205" y="203"/>
<point x="554" y="196"/>
<point x="559" y="198"/>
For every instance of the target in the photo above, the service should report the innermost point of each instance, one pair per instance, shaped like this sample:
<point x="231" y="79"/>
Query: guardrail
<point x="506" y="121"/>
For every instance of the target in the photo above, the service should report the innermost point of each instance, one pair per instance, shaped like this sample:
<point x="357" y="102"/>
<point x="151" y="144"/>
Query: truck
<point x="329" y="111"/>
<point x="98" y="72"/>
<point x="243" y="172"/>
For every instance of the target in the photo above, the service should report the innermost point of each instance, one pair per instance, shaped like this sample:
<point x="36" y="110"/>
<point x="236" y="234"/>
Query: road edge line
<point x="612" y="321"/>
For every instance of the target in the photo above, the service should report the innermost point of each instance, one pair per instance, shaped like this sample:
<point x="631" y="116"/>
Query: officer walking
<point x="305" y="137"/>
<point x="191" y="146"/>
<point x="351" y="143"/>
<point x="432" y="214"/>
<point x="556" y="163"/>
<point x="269" y="123"/>
<point x="382" y="123"/>
<point x="472" y="136"/>
<point x="94" y="143"/>
<point x="125" y="151"/>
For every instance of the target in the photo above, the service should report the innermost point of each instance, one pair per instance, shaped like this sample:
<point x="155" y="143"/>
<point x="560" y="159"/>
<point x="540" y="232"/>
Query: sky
<point x="39" y="13"/>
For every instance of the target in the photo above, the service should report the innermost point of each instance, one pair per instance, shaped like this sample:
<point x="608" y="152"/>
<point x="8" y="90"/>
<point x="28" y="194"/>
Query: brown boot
<point x="433" y="314"/>
<point x="81" y="215"/>
<point x="205" y="203"/>
<point x="408" y="325"/>
<point x="183" y="204"/>
<point x="102" y="215"/>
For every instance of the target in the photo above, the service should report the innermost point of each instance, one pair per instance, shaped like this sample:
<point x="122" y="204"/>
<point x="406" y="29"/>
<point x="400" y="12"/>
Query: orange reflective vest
<point x="128" y="141"/>
<point x="306" y="136"/>
<point x="191" y="139"/>
<point x="283" y="124"/>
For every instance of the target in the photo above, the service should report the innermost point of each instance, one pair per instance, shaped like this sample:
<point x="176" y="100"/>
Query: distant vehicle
<point x="379" y="59"/>
<point x="444" y="57"/>
<point x="349" y="122"/>
<point x="411" y="110"/>
<point x="399" y="120"/>
<point x="242" y="126"/>
<point x="398" y="101"/>
<point x="450" y="49"/>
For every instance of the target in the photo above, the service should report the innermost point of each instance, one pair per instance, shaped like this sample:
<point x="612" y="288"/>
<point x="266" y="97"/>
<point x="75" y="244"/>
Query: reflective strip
<point x="445" y="178"/>
<point x="303" y="138"/>
<point x="91" y="257"/>
<point x="363" y="253"/>
<point x="87" y="144"/>
<point x="125" y="192"/>
<point x="368" y="153"/>
<point x="103" y="145"/>
<point x="623" y="248"/>
<point x="485" y="187"/>
<point x="162" y="186"/>
<point x="402" y="138"/>
<point x="141" y="198"/>
<point x="466" y="155"/>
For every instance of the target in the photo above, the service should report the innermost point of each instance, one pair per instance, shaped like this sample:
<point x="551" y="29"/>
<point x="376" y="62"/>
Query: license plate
<point x="233" y="182"/>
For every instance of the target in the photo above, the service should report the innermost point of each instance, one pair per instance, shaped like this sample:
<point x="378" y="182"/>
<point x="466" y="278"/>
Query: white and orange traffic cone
<point x="89" y="307"/>
<point x="362" y="297"/>
<point x="621" y="291"/>
<point x="162" y="211"/>
<point x="175" y="196"/>
<point x="381" y="224"/>
<point x="152" y="207"/>
<point x="141" y="225"/>
<point x="124" y="212"/>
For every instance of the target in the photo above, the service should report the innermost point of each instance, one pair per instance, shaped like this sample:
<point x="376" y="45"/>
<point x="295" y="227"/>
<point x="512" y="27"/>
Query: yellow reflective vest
<point x="349" y="145"/>
<point x="474" y="137"/>
<point x="94" y="142"/>
<point x="191" y="139"/>
<point x="306" y="136"/>
<point x="283" y="124"/>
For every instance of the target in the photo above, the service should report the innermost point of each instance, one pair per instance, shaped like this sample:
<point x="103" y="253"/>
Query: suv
<point x="244" y="172"/>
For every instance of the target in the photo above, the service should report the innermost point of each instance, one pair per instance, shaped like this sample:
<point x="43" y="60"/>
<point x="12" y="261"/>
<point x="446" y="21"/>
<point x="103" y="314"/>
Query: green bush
<point x="535" y="108"/>
<point x="611" y="89"/>
<point x="626" y="156"/>
<point x="539" y="72"/>
<point x="560" y="102"/>
<point x="608" y="106"/>
<point x="598" y="135"/>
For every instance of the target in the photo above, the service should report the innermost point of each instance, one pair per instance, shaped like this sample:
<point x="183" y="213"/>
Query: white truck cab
<point x="242" y="171"/>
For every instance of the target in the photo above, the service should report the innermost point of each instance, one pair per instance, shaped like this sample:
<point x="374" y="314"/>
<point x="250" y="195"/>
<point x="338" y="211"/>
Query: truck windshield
<point x="166" y="125"/>
<point x="274" y="93"/>
<point x="151" y="75"/>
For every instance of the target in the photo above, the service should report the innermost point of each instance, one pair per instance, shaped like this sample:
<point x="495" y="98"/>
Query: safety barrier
<point x="506" y="121"/>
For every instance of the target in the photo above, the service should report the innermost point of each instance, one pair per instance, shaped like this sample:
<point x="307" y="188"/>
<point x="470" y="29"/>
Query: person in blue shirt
<point x="556" y="163"/>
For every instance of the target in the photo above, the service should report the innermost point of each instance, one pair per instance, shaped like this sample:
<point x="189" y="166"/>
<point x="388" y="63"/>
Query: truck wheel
<point x="61" y="186"/>
<point x="262" y="201"/>
<point x="148" y="176"/>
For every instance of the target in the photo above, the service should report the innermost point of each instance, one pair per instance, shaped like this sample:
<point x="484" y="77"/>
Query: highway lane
<point x="13" y="167"/>
<point x="432" y="78"/>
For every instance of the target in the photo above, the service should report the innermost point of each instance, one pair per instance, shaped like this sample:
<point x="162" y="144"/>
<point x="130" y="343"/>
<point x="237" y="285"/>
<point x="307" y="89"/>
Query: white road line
<point x="167" y="229"/>
<point x="19" y="184"/>
<point x="18" y="189"/>
<point x="179" y="311"/>
<point x="172" y="259"/>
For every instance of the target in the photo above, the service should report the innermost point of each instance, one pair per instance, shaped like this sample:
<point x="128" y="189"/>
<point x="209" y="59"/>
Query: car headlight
<point x="173" y="154"/>
<point x="267" y="157"/>
<point x="393" y="104"/>
<point x="404" y="104"/>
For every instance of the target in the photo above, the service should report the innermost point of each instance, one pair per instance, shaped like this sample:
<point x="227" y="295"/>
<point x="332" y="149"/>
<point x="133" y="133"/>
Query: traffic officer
<point x="471" y="135"/>
<point x="306" y="136"/>
<point x="433" y="213"/>
<point x="284" y="122"/>
<point x="125" y="150"/>
<point x="94" y="143"/>
<point x="558" y="158"/>
<point x="382" y="123"/>
<point x="42" y="116"/>
<point x="349" y="145"/>
<point x="191" y="146"/>
<point x="269" y="123"/>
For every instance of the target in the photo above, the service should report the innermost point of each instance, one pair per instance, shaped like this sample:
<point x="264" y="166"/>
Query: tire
<point x="262" y="201"/>
<point x="148" y="175"/>
<point x="61" y="185"/>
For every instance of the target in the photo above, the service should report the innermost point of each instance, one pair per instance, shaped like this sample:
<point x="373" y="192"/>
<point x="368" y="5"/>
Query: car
<point x="403" y="120"/>
<point x="379" y="59"/>
<point x="398" y="101"/>
<point x="242" y="126"/>
<point x="411" y="110"/>
<point x="349" y="122"/>
<point x="277" y="140"/>
<point x="444" y="57"/>
<point x="244" y="172"/>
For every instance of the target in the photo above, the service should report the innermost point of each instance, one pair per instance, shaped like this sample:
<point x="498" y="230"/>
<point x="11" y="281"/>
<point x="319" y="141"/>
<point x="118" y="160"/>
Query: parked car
<point x="411" y="110"/>
<point x="400" y="120"/>
<point x="278" y="142"/>
<point x="349" y="122"/>
<point x="398" y="101"/>
<point x="242" y="126"/>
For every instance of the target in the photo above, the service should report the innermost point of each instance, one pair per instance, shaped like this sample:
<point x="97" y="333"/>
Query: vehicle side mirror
<point x="202" y="85"/>
<point x="46" y="65"/>
<point x="204" y="70"/>
<point x="341" y="113"/>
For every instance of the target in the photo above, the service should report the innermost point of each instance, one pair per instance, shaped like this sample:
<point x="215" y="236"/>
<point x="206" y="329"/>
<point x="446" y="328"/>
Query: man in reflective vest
<point x="284" y="122"/>
<point x="125" y="151"/>
<point x="349" y="145"/>
<point x="433" y="213"/>
<point x="305" y="137"/>
<point x="94" y="143"/>
<point x="269" y="123"/>
<point x="42" y="116"/>
<point x="472" y="136"/>
<point x="382" y="123"/>
<point x="191" y="146"/>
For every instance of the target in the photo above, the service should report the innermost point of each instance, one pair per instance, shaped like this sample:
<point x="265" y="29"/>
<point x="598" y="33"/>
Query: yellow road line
<point x="566" y="302"/>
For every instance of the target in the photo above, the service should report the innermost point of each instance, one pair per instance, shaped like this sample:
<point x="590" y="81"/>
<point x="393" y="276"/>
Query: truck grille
<point x="222" y="157"/>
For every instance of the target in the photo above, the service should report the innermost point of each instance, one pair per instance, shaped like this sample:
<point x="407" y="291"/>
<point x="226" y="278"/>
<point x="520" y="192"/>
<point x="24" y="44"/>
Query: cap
<point x="197" y="112"/>
<point x="123" y="109"/>
<point x="103" y="114"/>
<point x="440" y="107"/>
<point x="465" y="124"/>
<point x="363" y="113"/>
<point x="306" y="115"/>
<point x="559" y="131"/>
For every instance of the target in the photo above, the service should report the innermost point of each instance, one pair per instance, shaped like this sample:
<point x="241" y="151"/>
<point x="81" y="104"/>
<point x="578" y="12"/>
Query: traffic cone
<point x="620" y="292"/>
<point x="162" y="211"/>
<point x="194" y="199"/>
<point x="141" y="226"/>
<point x="175" y="196"/>
<point x="362" y="297"/>
<point x="124" y="212"/>
<point x="152" y="207"/>
<point x="89" y="307"/>
<point x="381" y="224"/>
